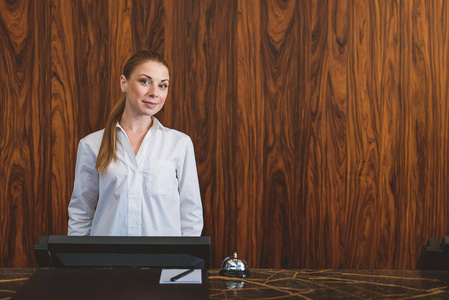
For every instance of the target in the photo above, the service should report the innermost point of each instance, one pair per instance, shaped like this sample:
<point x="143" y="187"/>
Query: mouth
<point x="150" y="104"/>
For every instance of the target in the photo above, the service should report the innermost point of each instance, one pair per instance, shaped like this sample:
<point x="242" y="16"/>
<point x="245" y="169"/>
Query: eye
<point x="144" y="81"/>
<point x="163" y="86"/>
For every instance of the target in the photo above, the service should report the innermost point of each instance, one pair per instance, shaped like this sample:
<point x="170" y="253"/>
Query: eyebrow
<point x="149" y="77"/>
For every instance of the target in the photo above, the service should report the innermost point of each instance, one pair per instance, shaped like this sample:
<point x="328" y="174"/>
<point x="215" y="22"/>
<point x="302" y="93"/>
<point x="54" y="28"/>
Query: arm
<point x="189" y="192"/>
<point x="85" y="193"/>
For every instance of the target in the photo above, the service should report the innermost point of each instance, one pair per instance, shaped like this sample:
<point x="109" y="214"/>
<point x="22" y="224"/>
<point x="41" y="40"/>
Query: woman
<point x="137" y="177"/>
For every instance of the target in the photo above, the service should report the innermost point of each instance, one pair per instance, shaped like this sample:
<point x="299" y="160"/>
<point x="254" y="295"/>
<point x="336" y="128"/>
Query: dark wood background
<point x="320" y="127"/>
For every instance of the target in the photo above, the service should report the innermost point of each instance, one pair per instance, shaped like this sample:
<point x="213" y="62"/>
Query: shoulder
<point x="173" y="134"/>
<point x="176" y="134"/>
<point x="92" y="141"/>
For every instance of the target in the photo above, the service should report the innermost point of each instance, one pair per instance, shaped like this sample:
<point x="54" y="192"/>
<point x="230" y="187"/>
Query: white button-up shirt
<point x="153" y="193"/>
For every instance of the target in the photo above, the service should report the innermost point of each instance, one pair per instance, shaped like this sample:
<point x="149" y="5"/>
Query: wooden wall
<point x="320" y="127"/>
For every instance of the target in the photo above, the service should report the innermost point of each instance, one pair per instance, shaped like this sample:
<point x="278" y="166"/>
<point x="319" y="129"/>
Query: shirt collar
<point x="156" y="125"/>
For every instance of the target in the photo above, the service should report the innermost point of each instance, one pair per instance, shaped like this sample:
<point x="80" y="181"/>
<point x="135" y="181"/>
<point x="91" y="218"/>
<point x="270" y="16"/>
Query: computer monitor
<point x="114" y="251"/>
<point x="434" y="255"/>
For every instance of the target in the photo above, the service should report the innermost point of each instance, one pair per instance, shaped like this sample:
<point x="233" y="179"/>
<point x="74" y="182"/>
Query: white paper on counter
<point x="191" y="278"/>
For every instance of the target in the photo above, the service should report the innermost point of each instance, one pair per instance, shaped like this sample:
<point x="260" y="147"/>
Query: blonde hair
<point x="108" y="146"/>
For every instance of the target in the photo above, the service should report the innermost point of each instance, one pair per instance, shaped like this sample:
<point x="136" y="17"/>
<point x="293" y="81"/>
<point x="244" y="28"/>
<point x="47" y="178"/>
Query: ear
<point x="123" y="83"/>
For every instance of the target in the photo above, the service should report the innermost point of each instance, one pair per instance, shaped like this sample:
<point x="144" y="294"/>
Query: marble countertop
<point x="300" y="284"/>
<point x="331" y="284"/>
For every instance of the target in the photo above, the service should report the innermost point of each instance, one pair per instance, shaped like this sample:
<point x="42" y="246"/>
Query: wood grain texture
<point x="25" y="120"/>
<point x="320" y="127"/>
<point x="202" y="103"/>
<point x="426" y="111"/>
<point x="80" y="91"/>
<point x="121" y="45"/>
<point x="397" y="172"/>
<point x="373" y="129"/>
<point x="325" y="198"/>
<point x="148" y="25"/>
<point x="269" y="65"/>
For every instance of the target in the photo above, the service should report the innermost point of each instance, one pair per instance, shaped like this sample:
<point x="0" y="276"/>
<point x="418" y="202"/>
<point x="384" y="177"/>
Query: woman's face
<point x="146" y="88"/>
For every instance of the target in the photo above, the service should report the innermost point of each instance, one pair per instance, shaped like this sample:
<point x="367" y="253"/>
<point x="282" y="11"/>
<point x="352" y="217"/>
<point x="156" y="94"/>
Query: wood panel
<point x="425" y="135"/>
<point x="148" y="25"/>
<point x="200" y="48"/>
<point x="25" y="120"/>
<point x="292" y="142"/>
<point x="269" y="66"/>
<point x="121" y="45"/>
<point x="396" y="132"/>
<point x="80" y="91"/>
<point x="320" y="127"/>
<point x="325" y="204"/>
<point x="437" y="16"/>
<point x="372" y="103"/>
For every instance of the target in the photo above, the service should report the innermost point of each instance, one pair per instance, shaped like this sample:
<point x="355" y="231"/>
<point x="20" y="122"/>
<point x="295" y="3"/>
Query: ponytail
<point x="108" y="146"/>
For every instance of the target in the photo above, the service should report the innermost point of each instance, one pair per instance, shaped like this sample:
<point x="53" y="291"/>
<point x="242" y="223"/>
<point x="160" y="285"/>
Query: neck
<point x="136" y="124"/>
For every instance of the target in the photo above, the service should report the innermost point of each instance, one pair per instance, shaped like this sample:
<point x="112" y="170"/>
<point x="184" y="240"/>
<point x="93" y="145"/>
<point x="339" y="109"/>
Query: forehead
<point x="155" y="70"/>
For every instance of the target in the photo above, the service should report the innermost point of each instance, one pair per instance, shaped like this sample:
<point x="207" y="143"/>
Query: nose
<point x="153" y="91"/>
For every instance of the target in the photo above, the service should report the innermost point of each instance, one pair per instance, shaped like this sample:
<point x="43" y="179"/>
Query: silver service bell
<point x="234" y="267"/>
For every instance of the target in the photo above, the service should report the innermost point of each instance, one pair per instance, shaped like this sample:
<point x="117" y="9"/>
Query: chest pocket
<point x="161" y="177"/>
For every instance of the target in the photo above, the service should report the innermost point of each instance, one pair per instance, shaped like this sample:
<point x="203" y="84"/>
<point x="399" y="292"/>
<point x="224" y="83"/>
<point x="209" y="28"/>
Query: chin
<point x="152" y="112"/>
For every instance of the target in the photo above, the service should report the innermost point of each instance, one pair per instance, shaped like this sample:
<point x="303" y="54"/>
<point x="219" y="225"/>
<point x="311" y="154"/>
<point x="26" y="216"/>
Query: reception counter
<point x="263" y="284"/>
<point x="331" y="284"/>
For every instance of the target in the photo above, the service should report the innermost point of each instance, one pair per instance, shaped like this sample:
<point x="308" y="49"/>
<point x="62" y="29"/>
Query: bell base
<point x="231" y="273"/>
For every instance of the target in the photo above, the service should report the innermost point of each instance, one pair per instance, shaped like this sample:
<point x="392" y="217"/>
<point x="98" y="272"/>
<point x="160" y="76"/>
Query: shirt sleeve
<point x="85" y="193"/>
<point x="189" y="192"/>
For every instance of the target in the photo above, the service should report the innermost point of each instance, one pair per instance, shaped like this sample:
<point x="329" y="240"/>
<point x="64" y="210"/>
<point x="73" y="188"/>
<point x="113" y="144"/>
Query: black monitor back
<point x="107" y="251"/>
<point x="434" y="255"/>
